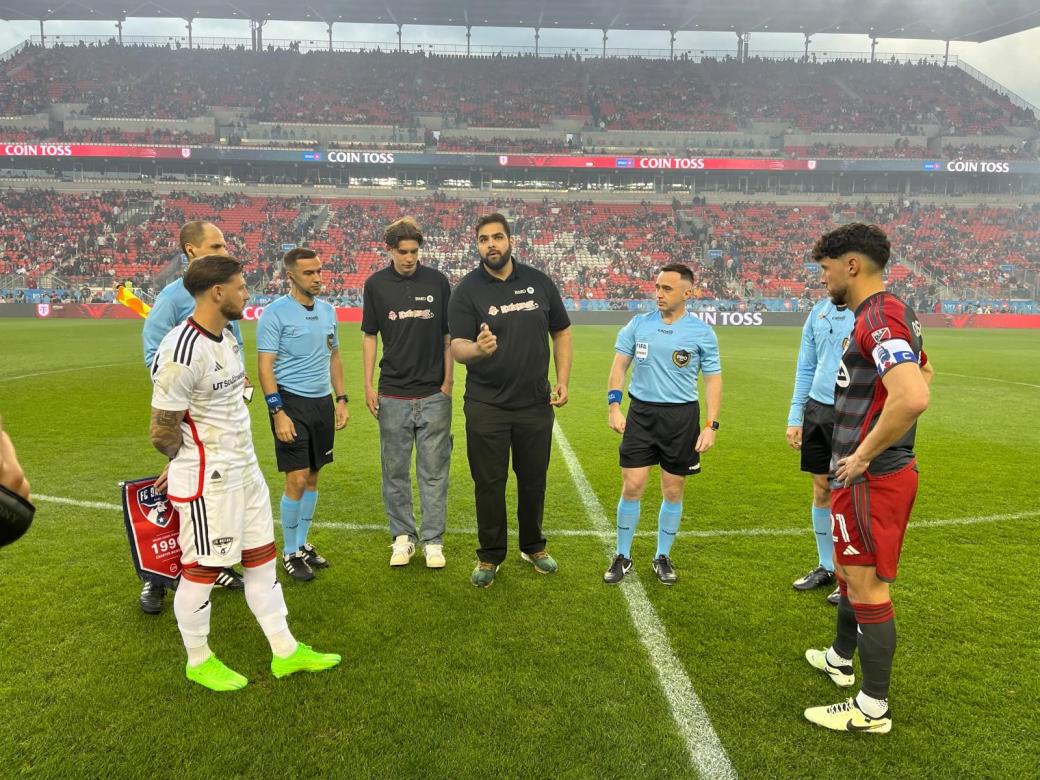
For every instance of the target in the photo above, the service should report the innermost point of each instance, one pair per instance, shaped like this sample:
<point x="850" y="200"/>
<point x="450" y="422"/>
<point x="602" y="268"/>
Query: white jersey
<point x="203" y="375"/>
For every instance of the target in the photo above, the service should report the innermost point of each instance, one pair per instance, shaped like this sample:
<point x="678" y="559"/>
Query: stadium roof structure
<point x="956" y="20"/>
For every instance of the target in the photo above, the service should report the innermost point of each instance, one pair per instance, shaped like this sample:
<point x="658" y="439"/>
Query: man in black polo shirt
<point x="407" y="304"/>
<point x="501" y="316"/>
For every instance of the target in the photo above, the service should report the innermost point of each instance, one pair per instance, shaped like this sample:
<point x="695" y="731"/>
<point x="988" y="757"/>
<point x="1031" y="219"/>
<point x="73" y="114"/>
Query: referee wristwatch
<point x="713" y="424"/>
<point x="342" y="398"/>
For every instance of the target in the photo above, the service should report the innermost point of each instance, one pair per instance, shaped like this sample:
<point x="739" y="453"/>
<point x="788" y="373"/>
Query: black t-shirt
<point x="521" y="311"/>
<point x="411" y="315"/>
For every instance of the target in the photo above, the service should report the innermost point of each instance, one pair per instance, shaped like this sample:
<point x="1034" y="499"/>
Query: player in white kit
<point x="200" y="421"/>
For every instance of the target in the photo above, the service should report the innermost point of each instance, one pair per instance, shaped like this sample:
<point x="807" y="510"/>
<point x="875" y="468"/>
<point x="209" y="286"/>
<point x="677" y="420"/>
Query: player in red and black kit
<point x="882" y="388"/>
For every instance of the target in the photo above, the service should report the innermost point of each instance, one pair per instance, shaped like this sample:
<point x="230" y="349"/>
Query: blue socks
<point x="821" y="523"/>
<point x="290" y="524"/>
<point x="627" y="522"/>
<point x="667" y="526"/>
<point x="310" y="498"/>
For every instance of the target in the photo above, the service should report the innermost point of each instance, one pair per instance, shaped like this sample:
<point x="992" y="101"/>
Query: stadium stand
<point x="595" y="251"/>
<point x="616" y="94"/>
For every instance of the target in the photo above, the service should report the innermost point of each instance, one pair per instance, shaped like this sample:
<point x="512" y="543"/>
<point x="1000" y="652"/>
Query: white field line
<point x="68" y="370"/>
<point x="604" y="533"/>
<point x="987" y="379"/>
<point x="706" y="752"/>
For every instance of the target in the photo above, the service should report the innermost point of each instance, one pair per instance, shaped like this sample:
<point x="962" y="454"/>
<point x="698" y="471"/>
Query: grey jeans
<point x="426" y="423"/>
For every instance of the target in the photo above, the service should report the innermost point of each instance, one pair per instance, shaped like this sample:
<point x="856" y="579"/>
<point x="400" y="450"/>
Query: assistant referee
<point x="501" y="317"/>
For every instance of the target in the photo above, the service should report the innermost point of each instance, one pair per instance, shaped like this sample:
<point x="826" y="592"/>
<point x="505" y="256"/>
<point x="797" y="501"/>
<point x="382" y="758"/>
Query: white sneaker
<point x="403" y="550"/>
<point x="434" y="556"/>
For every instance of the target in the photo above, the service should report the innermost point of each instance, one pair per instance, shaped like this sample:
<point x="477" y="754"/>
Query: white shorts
<point x="218" y="525"/>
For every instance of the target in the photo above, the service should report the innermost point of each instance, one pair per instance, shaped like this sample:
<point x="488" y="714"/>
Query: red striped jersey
<point x="886" y="333"/>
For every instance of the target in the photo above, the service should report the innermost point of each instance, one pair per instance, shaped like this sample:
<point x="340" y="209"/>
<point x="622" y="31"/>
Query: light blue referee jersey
<point x="666" y="358"/>
<point x="173" y="306"/>
<point x="823" y="342"/>
<point x="303" y="340"/>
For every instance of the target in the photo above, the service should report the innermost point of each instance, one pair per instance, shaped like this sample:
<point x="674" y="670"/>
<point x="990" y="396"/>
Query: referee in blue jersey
<point x="667" y="349"/>
<point x="298" y="353"/>
<point x="810" y="424"/>
<point x="173" y="306"/>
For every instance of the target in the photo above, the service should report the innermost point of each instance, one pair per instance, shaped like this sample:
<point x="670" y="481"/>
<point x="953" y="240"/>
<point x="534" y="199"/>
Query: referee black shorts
<point x="315" y="422"/>
<point x="662" y="433"/>
<point x="817" y="436"/>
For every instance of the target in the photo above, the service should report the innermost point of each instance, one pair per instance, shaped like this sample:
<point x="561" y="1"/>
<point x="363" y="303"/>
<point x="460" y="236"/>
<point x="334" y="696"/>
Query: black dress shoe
<point x="151" y="598"/>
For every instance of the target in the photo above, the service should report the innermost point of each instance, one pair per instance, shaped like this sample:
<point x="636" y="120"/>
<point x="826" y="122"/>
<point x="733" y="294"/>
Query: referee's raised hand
<point x="487" y="342"/>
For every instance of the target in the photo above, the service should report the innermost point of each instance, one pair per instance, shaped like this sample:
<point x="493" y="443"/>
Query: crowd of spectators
<point x="593" y="250"/>
<point x="375" y="87"/>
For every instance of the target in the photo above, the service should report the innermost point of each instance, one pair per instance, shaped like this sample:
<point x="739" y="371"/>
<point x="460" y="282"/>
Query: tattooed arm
<point x="165" y="431"/>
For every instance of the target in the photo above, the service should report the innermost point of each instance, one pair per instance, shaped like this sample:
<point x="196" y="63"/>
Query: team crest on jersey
<point x="223" y="544"/>
<point x="681" y="358"/>
<point x="157" y="509"/>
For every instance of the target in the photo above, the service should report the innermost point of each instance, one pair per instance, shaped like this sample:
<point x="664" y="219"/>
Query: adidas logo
<point x="219" y="367"/>
<point x="850" y="550"/>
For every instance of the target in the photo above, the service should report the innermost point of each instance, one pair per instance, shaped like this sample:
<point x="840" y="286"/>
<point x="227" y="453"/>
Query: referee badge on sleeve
<point x="330" y="341"/>
<point x="681" y="358"/>
<point x="642" y="350"/>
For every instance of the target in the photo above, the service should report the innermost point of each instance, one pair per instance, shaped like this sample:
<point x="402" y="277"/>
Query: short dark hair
<point x="678" y="268"/>
<point x="192" y="233"/>
<point x="403" y="229"/>
<point x="488" y="219"/>
<point x="297" y="253"/>
<point x="209" y="271"/>
<point x="869" y="240"/>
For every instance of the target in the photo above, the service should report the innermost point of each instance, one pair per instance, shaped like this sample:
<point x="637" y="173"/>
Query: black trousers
<point x="491" y="434"/>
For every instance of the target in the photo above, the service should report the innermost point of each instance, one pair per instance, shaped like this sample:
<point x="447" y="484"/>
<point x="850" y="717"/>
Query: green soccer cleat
<point x="543" y="562"/>
<point x="213" y="674"/>
<point x="847" y="716"/>
<point x="483" y="575"/>
<point x="303" y="659"/>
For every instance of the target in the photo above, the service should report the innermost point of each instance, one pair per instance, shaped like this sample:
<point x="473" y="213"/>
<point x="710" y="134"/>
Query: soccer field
<point x="538" y="676"/>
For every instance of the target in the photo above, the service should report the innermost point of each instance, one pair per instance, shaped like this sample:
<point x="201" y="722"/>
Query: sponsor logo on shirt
<point x="528" y="291"/>
<point x="509" y="308"/>
<point x="412" y="314"/>
<point x="427" y="298"/>
<point x="225" y="383"/>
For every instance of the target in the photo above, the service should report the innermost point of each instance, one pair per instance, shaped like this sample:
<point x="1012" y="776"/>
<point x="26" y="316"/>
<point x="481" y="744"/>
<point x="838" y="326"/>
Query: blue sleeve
<point x="236" y="329"/>
<point x="626" y="338"/>
<point x="268" y="331"/>
<point x="711" y="361"/>
<point x="160" y="321"/>
<point x="335" y="326"/>
<point x="804" y="373"/>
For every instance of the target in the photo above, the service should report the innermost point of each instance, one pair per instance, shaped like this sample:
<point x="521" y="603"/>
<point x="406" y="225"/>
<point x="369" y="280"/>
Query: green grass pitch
<point x="538" y="676"/>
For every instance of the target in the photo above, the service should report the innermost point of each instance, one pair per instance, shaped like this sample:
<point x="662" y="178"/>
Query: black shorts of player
<point x="315" y="422"/>
<point x="662" y="433"/>
<point x="817" y="435"/>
